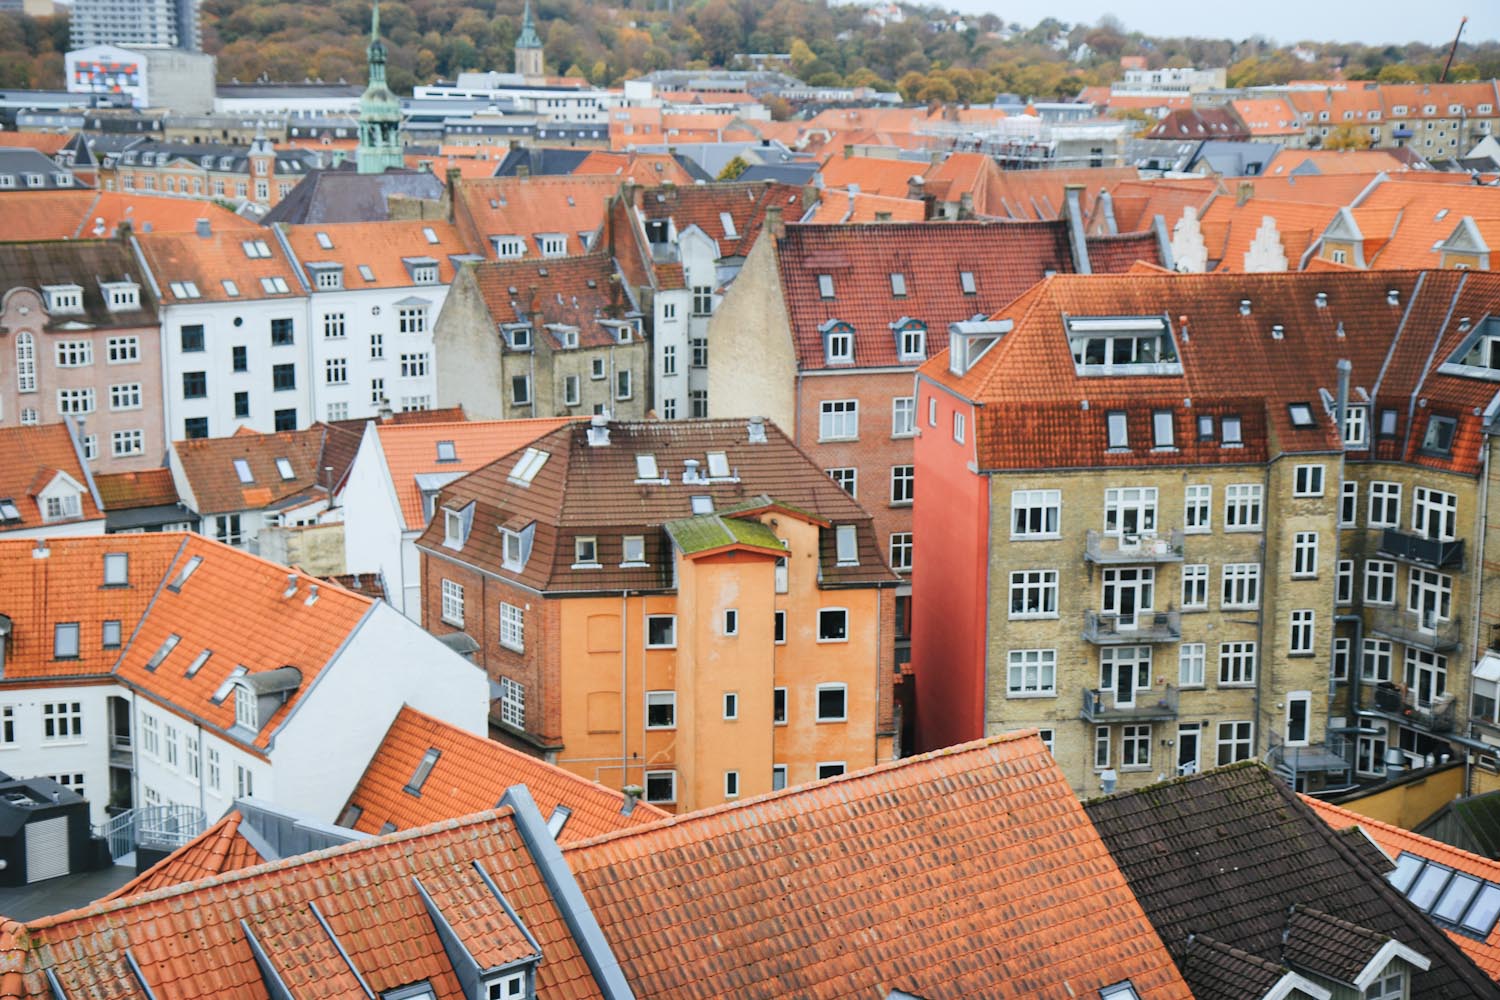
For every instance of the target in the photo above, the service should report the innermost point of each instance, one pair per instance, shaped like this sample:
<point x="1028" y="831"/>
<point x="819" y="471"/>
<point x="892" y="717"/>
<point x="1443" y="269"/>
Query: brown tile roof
<point x="1184" y="124"/>
<point x="584" y="490"/>
<point x="129" y="490"/>
<point x="1220" y="971"/>
<point x="46" y="143"/>
<point x="213" y="481"/>
<point x="525" y="207"/>
<point x="85" y="263"/>
<point x="30" y="458"/>
<point x="70" y="215"/>
<point x="969" y="872"/>
<point x="1321" y="941"/>
<point x="209" y="261"/>
<point x="576" y="292"/>
<point x="217" y="850"/>
<point x="705" y="205"/>
<point x="383" y="247"/>
<point x="470" y="775"/>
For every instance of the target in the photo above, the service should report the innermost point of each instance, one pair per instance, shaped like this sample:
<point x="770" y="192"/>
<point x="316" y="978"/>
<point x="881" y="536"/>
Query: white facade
<point x="680" y="341"/>
<point x="562" y="104"/>
<point x="289" y="102"/>
<point x="375" y="534"/>
<point x="26" y="752"/>
<point x="371" y="344"/>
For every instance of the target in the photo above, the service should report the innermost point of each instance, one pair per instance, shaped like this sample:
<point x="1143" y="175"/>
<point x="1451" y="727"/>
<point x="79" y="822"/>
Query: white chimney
<point x="599" y="431"/>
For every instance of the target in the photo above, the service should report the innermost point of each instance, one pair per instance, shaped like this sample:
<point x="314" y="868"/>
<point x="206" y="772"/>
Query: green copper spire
<point x="529" y="38"/>
<point x="379" y="111"/>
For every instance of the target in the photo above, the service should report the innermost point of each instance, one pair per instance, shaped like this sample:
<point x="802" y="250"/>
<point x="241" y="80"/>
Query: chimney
<point x="916" y="187"/>
<point x="1073" y="218"/>
<point x="203" y="228"/>
<point x="1244" y="192"/>
<point x="966" y="205"/>
<point x="774" y="225"/>
<point x="385" y="412"/>
<point x="1341" y="405"/>
<point x="599" y="431"/>
<point x="690" y="470"/>
<point x="291" y="585"/>
<point x="632" y="796"/>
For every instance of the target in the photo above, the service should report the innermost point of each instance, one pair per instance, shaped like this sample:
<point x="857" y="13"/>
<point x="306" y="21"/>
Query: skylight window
<point x="727" y="221"/>
<point x="447" y="451"/>
<point x="256" y="249"/>
<point x="230" y="288"/>
<point x="242" y="470"/>
<point x="366" y="273"/>
<point x="1301" y="414"/>
<point x="645" y="468"/>
<point x="718" y="465"/>
<point x="966" y="282"/>
<point x="898" y="284"/>
<point x="8" y="510"/>
<point x="1230" y="430"/>
<point x="325" y="241"/>
<point x="116" y="569"/>
<point x="163" y="651"/>
<point x="1451" y="898"/>
<point x="284" y="467"/>
<point x="846" y="544"/>
<point x="273" y="285"/>
<point x="528" y="465"/>
<point x="1119" y="434"/>
<point x="187" y="570"/>
<point x="429" y="234"/>
<point x="424" y="768"/>
<point x="703" y="504"/>
<point x="198" y="662"/>
<point x="825" y="285"/>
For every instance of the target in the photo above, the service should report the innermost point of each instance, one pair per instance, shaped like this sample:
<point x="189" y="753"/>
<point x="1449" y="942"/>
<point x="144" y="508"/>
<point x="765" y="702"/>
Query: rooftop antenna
<point x="1443" y="77"/>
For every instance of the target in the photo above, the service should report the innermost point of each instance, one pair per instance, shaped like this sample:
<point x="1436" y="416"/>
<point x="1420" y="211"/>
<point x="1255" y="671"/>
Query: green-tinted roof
<point x="713" y="531"/>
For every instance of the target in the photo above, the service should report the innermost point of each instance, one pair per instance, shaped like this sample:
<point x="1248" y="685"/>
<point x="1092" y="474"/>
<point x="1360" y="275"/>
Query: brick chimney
<point x="1244" y="192"/>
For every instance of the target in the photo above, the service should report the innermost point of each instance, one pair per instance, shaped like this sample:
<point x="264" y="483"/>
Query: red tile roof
<point x="1137" y="202"/>
<point x="872" y="174"/>
<point x="214" y="485"/>
<point x="209" y="261"/>
<point x="969" y="872"/>
<point x="705" y="205"/>
<point x="383" y="247"/>
<point x="642" y="168"/>
<point x="1266" y="116"/>
<point x="581" y="292"/>
<point x="129" y="490"/>
<point x="217" y="850"/>
<point x="1039" y="194"/>
<point x="30" y="458"/>
<point x="471" y="774"/>
<point x="1406" y="221"/>
<point x="525" y="207"/>
<point x="71" y="215"/>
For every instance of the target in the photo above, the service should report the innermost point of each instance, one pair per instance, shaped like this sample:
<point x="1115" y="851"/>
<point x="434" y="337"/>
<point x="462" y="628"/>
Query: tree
<point x="733" y="169"/>
<point x="1346" y="136"/>
<point x="937" y="89"/>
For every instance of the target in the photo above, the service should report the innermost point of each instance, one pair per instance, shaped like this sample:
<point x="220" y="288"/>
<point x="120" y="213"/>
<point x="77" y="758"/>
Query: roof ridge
<point x="1359" y="819"/>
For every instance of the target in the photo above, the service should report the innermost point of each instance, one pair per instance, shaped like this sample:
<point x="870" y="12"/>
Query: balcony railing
<point x="1159" y="548"/>
<point x="1152" y="704"/>
<point x="1423" y="630"/>
<point x="1143" y="626"/>
<point x="120" y="752"/>
<point x="164" y="828"/>
<point x="1437" y="715"/>
<point x="1422" y="551"/>
<point x="1328" y="757"/>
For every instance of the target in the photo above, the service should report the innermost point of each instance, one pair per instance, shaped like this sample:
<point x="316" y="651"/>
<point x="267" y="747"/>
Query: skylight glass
<point x="187" y="571"/>
<point x="1301" y="414"/>
<point x="324" y="241"/>
<point x="847" y="545"/>
<point x="424" y="768"/>
<point x="528" y="465"/>
<point x="1451" y="898"/>
<point x="198" y="662"/>
<point x="703" y="504"/>
<point x="163" y="651"/>
<point x="366" y="273"/>
<point x="718" y="465"/>
<point x="645" y="467"/>
<point x="242" y="470"/>
<point x="231" y="289"/>
<point x="447" y="451"/>
<point x="429" y="234"/>
<point x="284" y="466"/>
<point x="966" y="282"/>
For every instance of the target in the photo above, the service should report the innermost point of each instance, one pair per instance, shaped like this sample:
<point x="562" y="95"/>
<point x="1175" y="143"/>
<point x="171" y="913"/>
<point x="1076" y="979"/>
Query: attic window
<point x="273" y="285"/>
<point x="1119" y="991"/>
<point x="1131" y="345"/>
<point x="447" y="451"/>
<point x="512" y="985"/>
<point x="727" y="221"/>
<point x="718" y="465"/>
<point x="528" y="465"/>
<point x="63" y="300"/>
<point x="116" y="569"/>
<point x="121" y="296"/>
<point x="520" y="338"/>
<point x="508" y="247"/>
<point x="9" y="511"/>
<point x="898" y="284"/>
<point x="1230" y="431"/>
<point x="424" y="768"/>
<point x="846" y="545"/>
<point x="163" y="651"/>
<point x="187" y="570"/>
<point x="242" y="470"/>
<point x="429" y="234"/>
<point x="453" y="529"/>
<point x="1119" y="435"/>
<point x="702" y="504"/>
<point x="825" y="285"/>
<point x="515" y="548"/>
<point x="256" y="249"/>
<point x="198" y="662"/>
<point x="1301" y="414"/>
<point x="324" y="241"/>
<point x="230" y="288"/>
<point x="966" y="282"/>
<point x="646" y="469"/>
<point x="246" y="712"/>
<point x="366" y="273"/>
<point x="1439" y="437"/>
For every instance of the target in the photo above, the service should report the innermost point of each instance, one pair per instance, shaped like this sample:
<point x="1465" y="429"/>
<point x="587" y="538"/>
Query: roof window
<point x="8" y="511"/>
<point x="366" y="273"/>
<point x="188" y="569"/>
<point x="1127" y="345"/>
<point x="846" y="545"/>
<point x="838" y="342"/>
<point x="1439" y="437"/>
<point x="1118" y="428"/>
<point x="727" y="221"/>
<point x="63" y="300"/>
<point x="1301" y="414"/>
<point x="284" y="467"/>
<point x="447" y="451"/>
<point x="256" y="249"/>
<point x="198" y="662"/>
<point x="324" y="241"/>
<point x="424" y="768"/>
<point x="274" y="285"/>
<point x="116" y="569"/>
<point x="966" y="282"/>
<point x="242" y="470"/>
<point x="1451" y="898"/>
<point x="825" y="285"/>
<point x="898" y="284"/>
<point x="163" y="651"/>
<point x="702" y="504"/>
<point x="646" y="469"/>
<point x="528" y="465"/>
<point x="230" y="288"/>
<point x="1230" y="430"/>
<point x="429" y="234"/>
<point x="718" y="465"/>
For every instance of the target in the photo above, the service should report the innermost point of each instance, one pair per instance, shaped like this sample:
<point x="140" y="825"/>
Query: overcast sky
<point x="1369" y="21"/>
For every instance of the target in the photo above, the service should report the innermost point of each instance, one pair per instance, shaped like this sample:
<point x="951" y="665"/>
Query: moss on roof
<point x="713" y="531"/>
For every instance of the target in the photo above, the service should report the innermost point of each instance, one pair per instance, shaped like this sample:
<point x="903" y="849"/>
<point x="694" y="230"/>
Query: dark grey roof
<point x="43" y="794"/>
<point x="1235" y="159"/>
<point x="1219" y="971"/>
<point x="346" y="196"/>
<point x="270" y="91"/>
<point x="782" y="173"/>
<point x="541" y="161"/>
<point x="78" y="262"/>
<point x="20" y="165"/>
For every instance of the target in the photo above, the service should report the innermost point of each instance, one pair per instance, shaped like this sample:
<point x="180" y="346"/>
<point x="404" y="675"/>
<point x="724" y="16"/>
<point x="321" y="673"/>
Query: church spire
<point x="529" y="39"/>
<point x="529" y="47"/>
<point x="379" y="111"/>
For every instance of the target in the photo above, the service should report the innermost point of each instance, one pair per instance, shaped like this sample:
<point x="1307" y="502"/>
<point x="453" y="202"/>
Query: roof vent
<point x="1278" y="331"/>
<point x="204" y="228"/>
<point x="1244" y="307"/>
<point x="633" y="795"/>
<point x="40" y="550"/>
<point x="1464" y="324"/>
<point x="1393" y="297"/>
<point x="1183" y="322"/>
<point x="690" y="471"/>
<point x="558" y="820"/>
<point x="755" y="430"/>
<point x="1321" y="300"/>
<point x="312" y="594"/>
<point x="599" y="430"/>
<point x="1339" y="330"/>
<point x="291" y="585"/>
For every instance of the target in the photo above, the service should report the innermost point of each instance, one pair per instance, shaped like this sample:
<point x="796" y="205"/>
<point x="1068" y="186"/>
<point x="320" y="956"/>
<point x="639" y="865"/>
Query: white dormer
<point x="968" y="342"/>
<point x="63" y="300"/>
<point x="121" y="296"/>
<point x="61" y="499"/>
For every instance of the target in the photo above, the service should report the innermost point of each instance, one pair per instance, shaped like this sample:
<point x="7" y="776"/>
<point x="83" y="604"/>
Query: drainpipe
<point x="202" y="802"/>
<point x="625" y="695"/>
<point x="1476" y="582"/>
<point x="1260" y="628"/>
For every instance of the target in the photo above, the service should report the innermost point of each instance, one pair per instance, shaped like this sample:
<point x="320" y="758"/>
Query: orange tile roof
<point x="209" y="261"/>
<point x="46" y="143"/>
<point x="1408" y="220"/>
<point x="706" y="205"/>
<point x="213" y="481"/>
<point x="1329" y="189"/>
<point x="383" y="247"/>
<point x="872" y="174"/>
<point x="643" y="168"/>
<point x="1329" y="161"/>
<point x="1415" y="97"/>
<point x="1230" y="228"/>
<point x="1038" y="194"/>
<point x="29" y="459"/>
<point x="64" y="215"/>
<point x="470" y="775"/>
<point x="1267" y="116"/>
<point x="1343" y="104"/>
<point x="1138" y="202"/>
<point x="217" y="850"/>
<point x="67" y="586"/>
<point x="969" y="872"/>
<point x="411" y="450"/>
<point x="528" y="206"/>
<point x="128" y="490"/>
<point x="842" y="206"/>
<point x="209" y="612"/>
<point x="1393" y="840"/>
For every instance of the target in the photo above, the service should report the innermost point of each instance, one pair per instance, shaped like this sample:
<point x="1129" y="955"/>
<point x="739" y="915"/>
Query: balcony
<point x="1421" y="630"/>
<point x="1422" y="551"/>
<point x="1145" y="706"/>
<point x="1114" y="549"/>
<point x="1122" y="630"/>
<point x="1400" y="705"/>
<point x="120" y="752"/>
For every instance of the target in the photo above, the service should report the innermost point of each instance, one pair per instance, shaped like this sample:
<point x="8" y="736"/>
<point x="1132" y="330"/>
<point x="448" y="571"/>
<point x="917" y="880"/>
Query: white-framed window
<point x="1356" y="427"/>
<point x="1389" y="985"/>
<point x="512" y="703"/>
<point x="377" y="348"/>
<point x="623" y="388"/>
<point x="150" y="735"/>
<point x="192" y="759"/>
<point x="1197" y="509"/>
<point x="903" y="416"/>
<point x="1191" y="660"/>
<point x="75" y="401"/>
<point x="338" y="411"/>
<point x="1102" y="754"/>
<point x="1135" y="747"/>
<point x="245" y="710"/>
<point x="838" y="420"/>
<point x="512" y="550"/>
<point x="334" y="326"/>
<point x="1343" y="582"/>
<point x="411" y="319"/>
<point x="932" y="411"/>
<point x="415" y="365"/>
<point x="633" y="550"/>
<point x="453" y="528"/>
<point x="1236" y="664"/>
<point x="661" y="709"/>
<point x="74" y="353"/>
<point x="1434" y="514"/>
<point x="903" y="484"/>
<point x="25" y="362"/>
<point x="511" y="986"/>
<point x="901" y="551"/>
<point x="171" y="745"/>
<point x="1429" y="595"/>
<point x="1380" y="582"/>
<point x="512" y="627"/>
<point x="1385" y="505"/>
<point x="336" y="371"/>
<point x="1035" y="514"/>
<point x="839" y="346"/>
<point x="1375" y="660"/>
<point x="661" y="631"/>
<point x="731" y="621"/>
<point x="1301" y="643"/>
<point x="1033" y="593"/>
<point x="1241" y="586"/>
<point x="1307" y="481"/>
<point x="1349" y="503"/>
<point x="586" y="552"/>
<point x="731" y="706"/>
<point x="1339" y="666"/>
<point x="847" y="478"/>
<point x="1032" y="673"/>
<point x="61" y="506"/>
<point x="1236" y="741"/>
<point x="833" y="624"/>
<point x="731" y="784"/>
<point x="959" y="425"/>
<point x="832" y="702"/>
<point x="125" y="396"/>
<point x="1195" y="587"/>
<point x="62" y="721"/>
<point x="912" y="344"/>
<point x="1129" y="511"/>
<point x="1118" y="430"/>
<point x="1242" y="506"/>
<point x="778" y="777"/>
<point x="661" y="787"/>
<point x="123" y="350"/>
<point x="215" y="768"/>
<point x="1304" y="554"/>
<point x="244" y="782"/>
<point x="453" y="603"/>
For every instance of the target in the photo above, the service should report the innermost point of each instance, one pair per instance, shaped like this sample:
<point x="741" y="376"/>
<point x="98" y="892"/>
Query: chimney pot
<point x="204" y="228"/>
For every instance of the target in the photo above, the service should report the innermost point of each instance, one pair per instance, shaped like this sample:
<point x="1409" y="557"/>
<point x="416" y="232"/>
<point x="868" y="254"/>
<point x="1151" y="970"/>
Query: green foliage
<point x="733" y="169"/>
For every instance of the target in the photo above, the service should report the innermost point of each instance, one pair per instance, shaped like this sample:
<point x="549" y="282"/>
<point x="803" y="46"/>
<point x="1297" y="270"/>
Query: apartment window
<point x="633" y="550"/>
<point x="512" y="703"/>
<point x="414" y="365"/>
<point x="1236" y="663"/>
<point x="239" y="358"/>
<point x="1434" y="514"/>
<point x="1426" y="675"/>
<point x="913" y="344"/>
<point x="1191" y="657"/>
<point x="661" y="787"/>
<point x="1161" y="429"/>
<point x="699" y="347"/>
<point x="244" y="782"/>
<point x="151" y="735"/>
<point x="1241" y="586"/>
<point x="377" y="346"/>
<point x="453" y="603"/>
<point x="520" y="390"/>
<point x="661" y="631"/>
<point x="215" y="769"/>
<point x="1135" y="747"/>
<point x="1429" y="596"/>
<point x="1231" y="431"/>
<point x="1197" y="509"/>
<point x="586" y="551"/>
<point x="336" y="411"/>
<point x="512" y="627"/>
<point x="959" y="425"/>
<point x="283" y="378"/>
<point x="1385" y="505"/>
<point x="1129" y="511"/>
<point x="780" y="627"/>
<point x="336" y="371"/>
<point x="1305" y="554"/>
<point x="778" y="777"/>
<point x="1380" y="581"/>
<point x="903" y="416"/>
<point x="25" y="363"/>
<point x="1307" y="481"/>
<point x="838" y="420"/>
<point x="227" y="529"/>
<point x="903" y="484"/>
<point x="334" y="327"/>
<point x="1102" y="755"/>
<point x="1035" y="514"/>
<point x="731" y="706"/>
<point x="1033" y="593"/>
<point x="830" y="769"/>
<point x="1340" y="664"/>
<point x="932" y="409"/>
<point x="74" y="353"/>
<point x="833" y="625"/>
<point x="1032" y="673"/>
<point x="172" y="744"/>
<point x="1242" y="507"/>
<point x="1235" y="742"/>
<point x="901" y="550"/>
<point x="833" y="702"/>
<point x="75" y="401"/>
<point x="123" y="350"/>
<point x="838" y="345"/>
<point x="1343" y="582"/>
<point x="1439" y="437"/>
<point x="1195" y="587"/>
<point x="1349" y="504"/>
<point x="1302" y="633"/>
<point x="62" y="720"/>
<point x="281" y="332"/>
<point x="65" y="641"/>
<point x="661" y="709"/>
<point x="192" y="338"/>
<point x="669" y="359"/>
<point x="1356" y="427"/>
<point x="1119" y="435"/>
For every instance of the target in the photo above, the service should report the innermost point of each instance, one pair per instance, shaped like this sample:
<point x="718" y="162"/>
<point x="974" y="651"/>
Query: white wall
<point x="59" y="530"/>
<point x="29" y="756"/>
<point x="361" y="319"/>
<point x="373" y="528"/>
<point x="175" y="783"/>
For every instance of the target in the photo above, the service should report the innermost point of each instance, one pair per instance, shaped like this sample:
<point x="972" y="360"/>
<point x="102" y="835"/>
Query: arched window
<point x="25" y="363"/>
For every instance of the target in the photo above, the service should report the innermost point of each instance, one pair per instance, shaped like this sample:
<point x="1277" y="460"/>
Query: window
<point x="1305" y="554"/>
<point x="1301" y="413"/>
<point x="512" y="703"/>
<point x="780" y="627"/>
<point x="1102" y="754"/>
<point x="377" y="345"/>
<point x="1241" y="586"/>
<point x="110" y="635"/>
<point x="1129" y="511"/>
<point x="903" y="484"/>
<point x="1349" y="504"/>
<point x="901" y="550"/>
<point x="65" y="641"/>
<point x="1033" y="593"/>
<point x="1035" y="514"/>
<point x="668" y="359"/>
<point x="958" y="427"/>
<point x="414" y="365"/>
<point x="192" y="338"/>
<point x="833" y="625"/>
<point x="699" y="359"/>
<point x="244" y="782"/>
<point x="698" y="398"/>
<point x="1434" y="514"/>
<point x="825" y="286"/>
<point x="1195" y="587"/>
<point x="1380" y="582"/>
<point x="1242" y="507"/>
<point x="661" y="787"/>
<point x="508" y="987"/>
<point x="966" y="282"/>
<point x="125" y="396"/>
<point x="172" y="745"/>
<point x="1429" y="596"/>
<point x="453" y="528"/>
<point x="123" y="350"/>
<point x="661" y="631"/>
<point x="903" y="416"/>
<point x="838" y="345"/>
<point x="1161" y="429"/>
<point x="1307" y="481"/>
<point x="453" y="603"/>
<point x="1302" y="633"/>
<point x="411" y="319"/>
<point x="1236" y="663"/>
<point x="194" y="385"/>
<point x="245" y="709"/>
<point x="1356" y="429"/>
<point x="1343" y="582"/>
<point x="1230" y="435"/>
<point x="1385" y="505"/>
<point x="586" y="551"/>
<point x="281" y="332"/>
<point x="838" y="420"/>
<point x="1191" y="657"/>
<point x="778" y="777"/>
<point x="1389" y="985"/>
<point x="62" y="721"/>
<point x="1135" y="747"/>
<point x="1235" y="742"/>
<point x="60" y="507"/>
<point x="633" y="550"/>
<point x="215" y="769"/>
<point x="1339" y="667"/>
<point x="25" y="363"/>
<point x="512" y="627"/>
<point x="239" y="360"/>
<point x="1439" y="437"/>
<point x="75" y="401"/>
<point x="1032" y="673"/>
<point x="336" y="371"/>
<point x="832" y="700"/>
<point x="1197" y="508"/>
<point x="912" y="344"/>
<point x="150" y="735"/>
<point x="116" y="569"/>
<point x="334" y="327"/>
<point x="520" y="390"/>
<point x="74" y="353"/>
<point x="622" y="384"/>
<point x="283" y="377"/>
<point x="227" y="529"/>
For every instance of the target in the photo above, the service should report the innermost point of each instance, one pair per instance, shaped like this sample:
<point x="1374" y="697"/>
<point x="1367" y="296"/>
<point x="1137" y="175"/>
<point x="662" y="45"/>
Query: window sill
<point x="1304" y="576"/>
<point x="832" y="641"/>
<point x="635" y="565"/>
<point x="1036" y="538"/>
<point x="1239" y="607"/>
<point x="1032" y="695"/>
<point x="458" y="623"/>
<point x="1033" y="618"/>
<point x="1191" y="687"/>
<point x="660" y="729"/>
<point x="825" y="722"/>
<point x="1134" y="768"/>
<point x="834" y="440"/>
<point x="649" y="646"/>
<point x="590" y="565"/>
<point x="1165" y="449"/>
<point x="901" y="503"/>
<point x="1243" y="531"/>
<point x="1195" y="609"/>
<point x="1237" y="685"/>
<point x="1231" y="444"/>
<point x="903" y="437"/>
<point x="1300" y="656"/>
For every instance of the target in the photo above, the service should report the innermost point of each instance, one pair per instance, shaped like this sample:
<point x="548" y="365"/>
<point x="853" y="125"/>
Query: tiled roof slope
<point x="1232" y="362"/>
<point x="1137" y="202"/>
<point x="1220" y="971"/>
<point x="1006" y="258"/>
<point x="586" y="490"/>
<point x="1229" y="228"/>
<point x="526" y="206"/>
<point x="342" y="437"/>
<point x="208" y="261"/>
<point x="85" y="263"/>
<point x="380" y="246"/>
<point x="411" y="450"/>
<point x="704" y="206"/>
<point x="470" y="775"/>
<point x="872" y="174"/>
<point x="29" y="459"/>
<point x="571" y="291"/>
<point x="1039" y="194"/>
<point x="643" y="168"/>
<point x="969" y="872"/>
<point x="68" y="586"/>
<point x="208" y="465"/>
<point x="1229" y="852"/>
<point x="217" y="850"/>
<point x="71" y="215"/>
<point x="1393" y="840"/>
<point x="129" y="490"/>
<point x="1329" y="161"/>
<point x="835" y="206"/>
<point x="1421" y="216"/>
<point x="190" y="940"/>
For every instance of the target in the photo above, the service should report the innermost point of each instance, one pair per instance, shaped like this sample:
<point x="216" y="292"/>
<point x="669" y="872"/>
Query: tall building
<point x="379" y="112"/>
<point x="529" y="47"/>
<point x="152" y="24"/>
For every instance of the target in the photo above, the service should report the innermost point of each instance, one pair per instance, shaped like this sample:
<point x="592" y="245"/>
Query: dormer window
<point x="508" y="247"/>
<point x="61" y="507"/>
<point x="911" y="342"/>
<point x="553" y="244"/>
<point x="327" y="277"/>
<point x="586" y="552"/>
<point x="510" y="986"/>
<point x="1123" y="346"/>
<point x="519" y="337"/>
<point x="838" y="343"/>
<point x="121" y="296"/>
<point x="568" y="338"/>
<point x="454" y="533"/>
<point x="515" y="547"/>
<point x="1439" y="437"/>
<point x="423" y="272"/>
<point x="63" y="300"/>
<point x="825" y="285"/>
<point x="245" y="709"/>
<point x="1356" y="426"/>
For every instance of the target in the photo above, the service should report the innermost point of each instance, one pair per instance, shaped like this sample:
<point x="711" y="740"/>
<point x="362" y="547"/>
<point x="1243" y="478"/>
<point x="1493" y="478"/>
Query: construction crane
<point x="1454" y="50"/>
